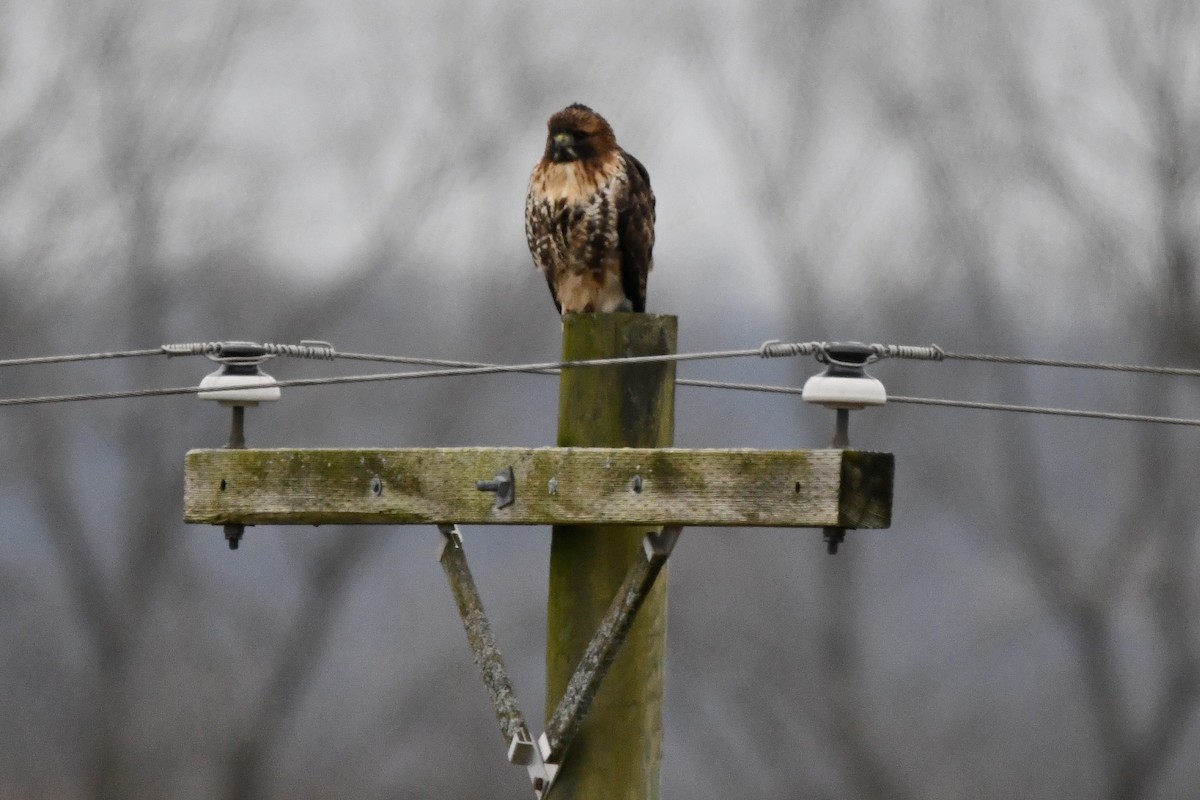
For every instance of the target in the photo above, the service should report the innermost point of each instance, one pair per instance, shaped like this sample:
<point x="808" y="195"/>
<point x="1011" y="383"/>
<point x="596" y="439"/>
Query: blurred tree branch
<point x="1086" y="601"/>
<point x="328" y="576"/>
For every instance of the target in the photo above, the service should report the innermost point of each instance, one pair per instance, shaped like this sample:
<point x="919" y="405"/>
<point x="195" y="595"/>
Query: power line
<point x="218" y="351"/>
<point x="1068" y="364"/>
<point x="742" y="387"/>
<point x="1059" y="412"/>
<point x="770" y="349"/>
<point x="22" y="362"/>
<point x="430" y="362"/>
<point x="477" y="369"/>
<point x="484" y="368"/>
<point x="967" y="404"/>
<point x="553" y="367"/>
<point x="117" y="395"/>
<point x="237" y="351"/>
<point x="934" y="352"/>
<point x="776" y="349"/>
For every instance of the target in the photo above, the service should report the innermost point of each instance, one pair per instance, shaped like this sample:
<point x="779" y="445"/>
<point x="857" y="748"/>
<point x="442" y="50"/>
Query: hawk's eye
<point x="580" y="134"/>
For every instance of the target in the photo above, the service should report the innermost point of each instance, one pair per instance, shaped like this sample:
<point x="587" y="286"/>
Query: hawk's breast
<point x="571" y="216"/>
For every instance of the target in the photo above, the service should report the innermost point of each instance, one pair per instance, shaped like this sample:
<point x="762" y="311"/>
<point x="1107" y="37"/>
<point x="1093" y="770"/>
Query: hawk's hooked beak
<point x="564" y="146"/>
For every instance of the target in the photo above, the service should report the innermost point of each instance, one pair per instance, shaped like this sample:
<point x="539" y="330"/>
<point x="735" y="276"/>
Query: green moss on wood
<point x="424" y="485"/>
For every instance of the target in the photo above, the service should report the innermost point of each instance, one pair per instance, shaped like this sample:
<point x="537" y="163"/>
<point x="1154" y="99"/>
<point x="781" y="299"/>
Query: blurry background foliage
<point x="1019" y="177"/>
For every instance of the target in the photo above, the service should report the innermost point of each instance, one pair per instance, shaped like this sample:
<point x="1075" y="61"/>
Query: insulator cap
<point x="253" y="386"/>
<point x="241" y="352"/>
<point x="845" y="382"/>
<point x="836" y="391"/>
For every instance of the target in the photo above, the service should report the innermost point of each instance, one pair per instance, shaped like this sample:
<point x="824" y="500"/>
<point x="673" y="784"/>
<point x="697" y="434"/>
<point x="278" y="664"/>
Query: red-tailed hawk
<point x="589" y="217"/>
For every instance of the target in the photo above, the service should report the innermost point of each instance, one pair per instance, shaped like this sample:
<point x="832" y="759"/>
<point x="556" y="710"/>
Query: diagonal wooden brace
<point x="606" y="643"/>
<point x="522" y="749"/>
<point x="542" y="758"/>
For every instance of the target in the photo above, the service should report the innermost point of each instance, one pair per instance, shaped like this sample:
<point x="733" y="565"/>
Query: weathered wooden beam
<point x="480" y="636"/>
<point x="553" y="486"/>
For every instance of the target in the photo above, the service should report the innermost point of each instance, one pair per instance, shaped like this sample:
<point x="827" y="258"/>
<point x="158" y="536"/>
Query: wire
<point x="21" y="362"/>
<point x="324" y="351"/>
<point x="121" y="395"/>
<point x="935" y="353"/>
<point x="1055" y="362"/>
<point x="428" y="362"/>
<point x="770" y="349"/>
<point x="968" y="404"/>
<point x="553" y="367"/>
<point x="441" y="362"/>
<point x="777" y="349"/>
<point x="1059" y="412"/>
<point x="480" y="369"/>
<point x="451" y="368"/>
<point x="889" y="351"/>
<point x="744" y="387"/>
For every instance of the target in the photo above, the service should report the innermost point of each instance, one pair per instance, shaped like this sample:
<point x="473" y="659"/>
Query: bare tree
<point x="136" y="100"/>
<point x="920" y="169"/>
<point x="1086" y="579"/>
<point x="964" y="103"/>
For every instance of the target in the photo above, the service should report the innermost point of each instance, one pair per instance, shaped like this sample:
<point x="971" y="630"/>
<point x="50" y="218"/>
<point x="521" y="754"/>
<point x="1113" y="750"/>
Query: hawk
<point x="589" y="217"/>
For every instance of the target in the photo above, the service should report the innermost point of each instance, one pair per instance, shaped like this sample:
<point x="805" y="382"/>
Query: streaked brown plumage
<point x="589" y="217"/>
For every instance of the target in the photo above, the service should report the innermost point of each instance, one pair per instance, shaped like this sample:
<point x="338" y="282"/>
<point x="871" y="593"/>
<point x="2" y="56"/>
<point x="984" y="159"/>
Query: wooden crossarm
<point x="552" y="486"/>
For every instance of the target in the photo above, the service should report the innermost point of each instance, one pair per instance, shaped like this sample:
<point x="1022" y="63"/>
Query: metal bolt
<point x="237" y="431"/>
<point x="376" y="486"/>
<point x="841" y="440"/>
<point x="637" y="484"/>
<point x="841" y="436"/>
<point x="504" y="486"/>
<point x="834" y="537"/>
<point x="237" y="441"/>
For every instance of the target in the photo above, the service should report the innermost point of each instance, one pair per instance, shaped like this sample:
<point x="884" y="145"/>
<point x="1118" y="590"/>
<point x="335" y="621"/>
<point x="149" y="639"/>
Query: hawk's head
<point x="577" y="134"/>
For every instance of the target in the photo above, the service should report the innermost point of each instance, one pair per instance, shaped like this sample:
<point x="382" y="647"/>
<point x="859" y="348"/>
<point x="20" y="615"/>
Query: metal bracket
<point x="525" y="752"/>
<point x="661" y="544"/>
<point x="504" y="485"/>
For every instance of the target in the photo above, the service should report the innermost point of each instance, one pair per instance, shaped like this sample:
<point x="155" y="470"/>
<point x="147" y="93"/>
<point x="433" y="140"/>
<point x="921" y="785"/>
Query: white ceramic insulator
<point x="838" y="391"/>
<point x="253" y="389"/>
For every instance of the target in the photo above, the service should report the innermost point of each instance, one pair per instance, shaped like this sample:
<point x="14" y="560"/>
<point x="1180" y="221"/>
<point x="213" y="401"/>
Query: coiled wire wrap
<point x="777" y="349"/>
<point x="217" y="351"/>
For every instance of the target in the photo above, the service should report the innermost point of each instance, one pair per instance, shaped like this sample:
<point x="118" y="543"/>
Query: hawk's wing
<point x="537" y="234"/>
<point x="635" y="232"/>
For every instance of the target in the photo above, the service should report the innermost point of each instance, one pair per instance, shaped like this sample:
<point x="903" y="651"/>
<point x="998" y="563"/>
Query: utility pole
<point x="617" y="495"/>
<point x="617" y="752"/>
